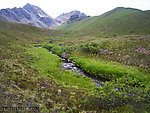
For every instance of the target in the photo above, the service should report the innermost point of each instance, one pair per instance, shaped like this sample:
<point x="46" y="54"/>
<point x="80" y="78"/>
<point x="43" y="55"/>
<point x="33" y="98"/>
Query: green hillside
<point x="119" y="21"/>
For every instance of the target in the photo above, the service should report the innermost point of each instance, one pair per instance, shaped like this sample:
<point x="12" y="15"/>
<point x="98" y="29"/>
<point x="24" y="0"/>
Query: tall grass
<point x="50" y="64"/>
<point x="109" y="70"/>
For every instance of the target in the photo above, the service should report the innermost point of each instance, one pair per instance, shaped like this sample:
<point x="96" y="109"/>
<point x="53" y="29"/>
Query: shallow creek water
<point x="70" y="65"/>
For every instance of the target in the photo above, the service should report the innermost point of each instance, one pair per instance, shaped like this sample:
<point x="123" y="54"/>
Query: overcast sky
<point x="90" y="7"/>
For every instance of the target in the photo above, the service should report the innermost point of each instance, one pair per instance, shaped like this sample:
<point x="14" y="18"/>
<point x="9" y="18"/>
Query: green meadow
<point x="115" y="51"/>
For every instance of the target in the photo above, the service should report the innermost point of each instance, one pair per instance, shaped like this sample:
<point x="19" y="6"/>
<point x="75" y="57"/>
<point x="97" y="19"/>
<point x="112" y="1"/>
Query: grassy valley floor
<point x="128" y="82"/>
<point x="33" y="80"/>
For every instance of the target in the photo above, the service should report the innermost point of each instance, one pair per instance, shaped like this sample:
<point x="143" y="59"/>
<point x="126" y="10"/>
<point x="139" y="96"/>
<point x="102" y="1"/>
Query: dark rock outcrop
<point x="66" y="16"/>
<point x="75" y="17"/>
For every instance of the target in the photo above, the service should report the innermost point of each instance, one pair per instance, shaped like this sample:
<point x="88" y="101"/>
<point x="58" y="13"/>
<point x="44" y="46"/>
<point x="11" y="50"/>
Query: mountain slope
<point x="2" y="18"/>
<point x="29" y="14"/>
<point x="119" y="21"/>
<point x="66" y="16"/>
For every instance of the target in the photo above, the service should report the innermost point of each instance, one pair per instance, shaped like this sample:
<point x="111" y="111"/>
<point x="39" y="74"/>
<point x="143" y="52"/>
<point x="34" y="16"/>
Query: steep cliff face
<point x="29" y="14"/>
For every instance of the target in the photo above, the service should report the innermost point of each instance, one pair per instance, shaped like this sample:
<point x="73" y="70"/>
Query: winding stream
<point x="70" y="65"/>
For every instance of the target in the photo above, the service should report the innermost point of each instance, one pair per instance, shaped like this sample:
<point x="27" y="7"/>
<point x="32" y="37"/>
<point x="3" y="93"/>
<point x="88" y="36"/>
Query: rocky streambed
<point x="70" y="65"/>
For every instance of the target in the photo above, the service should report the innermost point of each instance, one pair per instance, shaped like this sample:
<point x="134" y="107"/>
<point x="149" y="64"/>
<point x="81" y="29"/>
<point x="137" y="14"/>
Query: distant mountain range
<point x="35" y="16"/>
<point x="119" y="21"/>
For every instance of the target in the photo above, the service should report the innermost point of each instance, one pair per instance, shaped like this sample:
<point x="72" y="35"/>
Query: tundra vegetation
<point x="31" y="77"/>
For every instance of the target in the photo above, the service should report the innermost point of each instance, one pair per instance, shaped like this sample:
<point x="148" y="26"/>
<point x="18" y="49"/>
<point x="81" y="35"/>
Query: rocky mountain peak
<point x="29" y="14"/>
<point x="74" y="17"/>
<point x="66" y="16"/>
<point x="36" y="10"/>
<point x="75" y="12"/>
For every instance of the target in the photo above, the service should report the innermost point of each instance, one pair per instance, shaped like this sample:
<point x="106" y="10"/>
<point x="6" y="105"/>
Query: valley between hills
<point x="74" y="63"/>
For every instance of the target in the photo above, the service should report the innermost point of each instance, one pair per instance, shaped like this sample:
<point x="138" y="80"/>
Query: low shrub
<point x="36" y="45"/>
<point x="57" y="50"/>
<point x="119" y="93"/>
<point x="48" y="46"/>
<point x="92" y="47"/>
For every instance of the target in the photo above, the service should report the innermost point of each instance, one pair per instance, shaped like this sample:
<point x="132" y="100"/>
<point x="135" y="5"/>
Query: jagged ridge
<point x="29" y="14"/>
